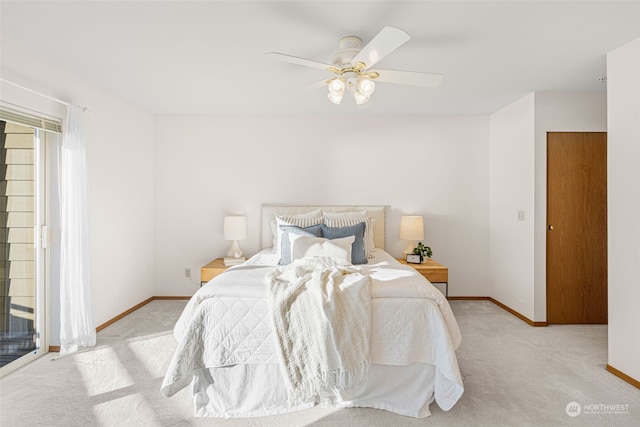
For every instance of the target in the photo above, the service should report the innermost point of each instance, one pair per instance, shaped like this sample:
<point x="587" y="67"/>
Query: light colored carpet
<point x="515" y="375"/>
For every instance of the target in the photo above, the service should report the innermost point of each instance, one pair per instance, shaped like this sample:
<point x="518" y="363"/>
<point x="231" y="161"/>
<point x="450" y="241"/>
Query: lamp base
<point x="235" y="251"/>
<point x="409" y="248"/>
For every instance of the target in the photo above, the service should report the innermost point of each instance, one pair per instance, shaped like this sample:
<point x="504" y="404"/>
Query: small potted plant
<point x="423" y="251"/>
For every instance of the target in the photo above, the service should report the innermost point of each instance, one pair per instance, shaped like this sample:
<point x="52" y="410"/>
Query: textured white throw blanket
<point x="322" y="320"/>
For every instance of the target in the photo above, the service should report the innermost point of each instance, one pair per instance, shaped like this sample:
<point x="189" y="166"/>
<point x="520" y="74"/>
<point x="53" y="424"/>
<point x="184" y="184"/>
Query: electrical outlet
<point x="520" y="215"/>
<point x="187" y="272"/>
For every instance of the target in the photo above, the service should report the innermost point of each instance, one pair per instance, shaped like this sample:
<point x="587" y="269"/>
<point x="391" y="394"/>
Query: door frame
<point x="42" y="150"/>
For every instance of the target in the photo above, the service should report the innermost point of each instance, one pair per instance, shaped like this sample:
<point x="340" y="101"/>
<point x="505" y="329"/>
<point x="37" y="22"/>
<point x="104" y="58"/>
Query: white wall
<point x="518" y="182"/>
<point x="120" y="164"/>
<point x="207" y="167"/>
<point x="512" y="172"/>
<point x="623" y="73"/>
<point x="120" y="158"/>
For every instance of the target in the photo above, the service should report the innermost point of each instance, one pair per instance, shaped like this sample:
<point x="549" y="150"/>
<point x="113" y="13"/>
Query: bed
<point x="230" y="349"/>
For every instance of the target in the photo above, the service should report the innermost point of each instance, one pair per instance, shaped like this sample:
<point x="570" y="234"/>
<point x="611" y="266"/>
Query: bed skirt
<point x="254" y="390"/>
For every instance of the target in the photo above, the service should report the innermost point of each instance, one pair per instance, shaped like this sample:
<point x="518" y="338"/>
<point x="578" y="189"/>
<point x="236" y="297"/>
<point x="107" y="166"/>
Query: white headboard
<point x="377" y="212"/>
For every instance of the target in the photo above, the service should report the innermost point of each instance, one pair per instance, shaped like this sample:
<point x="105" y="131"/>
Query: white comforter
<point x="227" y="323"/>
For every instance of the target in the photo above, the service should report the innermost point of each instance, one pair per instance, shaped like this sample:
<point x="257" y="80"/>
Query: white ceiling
<point x="206" y="57"/>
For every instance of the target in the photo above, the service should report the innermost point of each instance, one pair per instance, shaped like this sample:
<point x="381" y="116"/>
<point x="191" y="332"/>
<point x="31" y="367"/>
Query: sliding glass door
<point x="22" y="214"/>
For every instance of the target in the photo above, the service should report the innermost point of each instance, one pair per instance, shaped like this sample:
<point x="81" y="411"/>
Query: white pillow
<point x="369" y="243"/>
<point x="274" y="233"/>
<point x="337" y="249"/>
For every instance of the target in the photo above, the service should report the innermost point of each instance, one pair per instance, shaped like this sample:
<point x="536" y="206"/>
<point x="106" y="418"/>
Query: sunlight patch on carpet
<point x="102" y="371"/>
<point x="125" y="411"/>
<point x="151" y="353"/>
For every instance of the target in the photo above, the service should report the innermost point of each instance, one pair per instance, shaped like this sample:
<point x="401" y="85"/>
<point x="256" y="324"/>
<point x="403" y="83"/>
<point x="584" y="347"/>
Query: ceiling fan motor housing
<point x="349" y="47"/>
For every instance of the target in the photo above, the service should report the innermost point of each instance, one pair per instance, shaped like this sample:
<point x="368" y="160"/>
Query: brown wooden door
<point x="577" y="227"/>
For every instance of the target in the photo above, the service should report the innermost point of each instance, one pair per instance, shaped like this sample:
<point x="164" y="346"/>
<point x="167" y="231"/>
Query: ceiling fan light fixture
<point x="365" y="86"/>
<point x="336" y="98"/>
<point x="359" y="97"/>
<point x="336" y="86"/>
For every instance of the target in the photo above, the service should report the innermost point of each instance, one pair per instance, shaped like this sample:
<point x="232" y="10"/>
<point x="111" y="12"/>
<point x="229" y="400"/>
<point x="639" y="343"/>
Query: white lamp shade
<point x="337" y="86"/>
<point x="411" y="228"/>
<point x="235" y="227"/>
<point x="359" y="97"/>
<point x="336" y="98"/>
<point x="365" y="86"/>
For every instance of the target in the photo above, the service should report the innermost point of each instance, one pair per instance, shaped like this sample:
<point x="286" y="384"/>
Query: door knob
<point x="550" y="227"/>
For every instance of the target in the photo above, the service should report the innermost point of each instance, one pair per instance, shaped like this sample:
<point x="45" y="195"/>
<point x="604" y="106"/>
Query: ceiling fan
<point x="352" y="66"/>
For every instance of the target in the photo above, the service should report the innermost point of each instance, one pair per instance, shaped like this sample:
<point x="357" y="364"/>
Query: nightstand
<point x="433" y="271"/>
<point x="211" y="270"/>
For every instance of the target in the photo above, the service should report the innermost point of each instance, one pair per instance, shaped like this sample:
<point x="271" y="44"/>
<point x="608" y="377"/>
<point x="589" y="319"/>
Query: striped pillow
<point x="369" y="244"/>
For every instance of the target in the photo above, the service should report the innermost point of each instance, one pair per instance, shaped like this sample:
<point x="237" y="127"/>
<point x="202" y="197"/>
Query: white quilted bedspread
<point x="227" y="323"/>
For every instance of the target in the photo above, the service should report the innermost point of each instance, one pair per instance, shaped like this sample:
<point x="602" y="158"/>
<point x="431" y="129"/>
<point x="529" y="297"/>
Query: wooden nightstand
<point x="433" y="271"/>
<point x="212" y="269"/>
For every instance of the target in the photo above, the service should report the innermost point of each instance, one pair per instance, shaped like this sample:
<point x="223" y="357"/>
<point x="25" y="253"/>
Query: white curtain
<point x="76" y="319"/>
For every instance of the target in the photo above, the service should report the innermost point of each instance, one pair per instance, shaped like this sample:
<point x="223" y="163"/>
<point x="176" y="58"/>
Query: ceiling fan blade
<point x="412" y="78"/>
<point x="313" y="86"/>
<point x="299" y="61"/>
<point x="385" y="42"/>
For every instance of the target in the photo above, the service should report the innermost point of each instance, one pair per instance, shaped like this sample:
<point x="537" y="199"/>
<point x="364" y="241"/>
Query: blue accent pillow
<point x="285" y="245"/>
<point x="358" y="255"/>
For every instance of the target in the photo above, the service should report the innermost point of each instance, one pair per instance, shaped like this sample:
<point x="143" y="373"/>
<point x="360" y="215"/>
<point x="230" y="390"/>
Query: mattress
<point x="226" y="348"/>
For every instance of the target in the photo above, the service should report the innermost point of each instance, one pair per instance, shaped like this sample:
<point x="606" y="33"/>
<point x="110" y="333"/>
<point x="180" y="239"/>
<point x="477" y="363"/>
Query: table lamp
<point x="411" y="229"/>
<point x="235" y="228"/>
